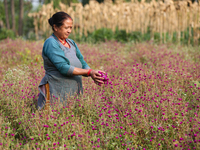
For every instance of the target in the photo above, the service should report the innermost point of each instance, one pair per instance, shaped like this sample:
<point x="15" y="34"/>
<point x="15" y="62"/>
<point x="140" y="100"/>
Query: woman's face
<point x="64" y="31"/>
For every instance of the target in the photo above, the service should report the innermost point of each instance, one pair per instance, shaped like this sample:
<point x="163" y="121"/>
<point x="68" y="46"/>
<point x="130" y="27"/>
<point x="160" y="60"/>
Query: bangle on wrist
<point x="88" y="74"/>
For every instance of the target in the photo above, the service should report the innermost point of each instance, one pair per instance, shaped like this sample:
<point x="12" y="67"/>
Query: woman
<point x="63" y="62"/>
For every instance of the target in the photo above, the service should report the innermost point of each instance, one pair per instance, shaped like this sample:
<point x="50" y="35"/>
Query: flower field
<point x="151" y="101"/>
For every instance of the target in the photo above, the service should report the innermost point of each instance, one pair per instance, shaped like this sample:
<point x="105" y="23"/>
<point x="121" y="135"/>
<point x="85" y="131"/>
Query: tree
<point x="16" y="17"/>
<point x="6" y="13"/>
<point x="13" y="14"/>
<point x="21" y="15"/>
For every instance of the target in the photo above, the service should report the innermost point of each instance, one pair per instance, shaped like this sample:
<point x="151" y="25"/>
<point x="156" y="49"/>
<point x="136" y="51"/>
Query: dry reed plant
<point x="162" y="17"/>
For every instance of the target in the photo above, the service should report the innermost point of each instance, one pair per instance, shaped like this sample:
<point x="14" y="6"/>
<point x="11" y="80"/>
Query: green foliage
<point x="102" y="34"/>
<point x="5" y="33"/>
<point x="147" y="35"/>
<point x="121" y="35"/>
<point x="28" y="27"/>
<point x="135" y="36"/>
<point x="56" y="3"/>
<point x="27" y="21"/>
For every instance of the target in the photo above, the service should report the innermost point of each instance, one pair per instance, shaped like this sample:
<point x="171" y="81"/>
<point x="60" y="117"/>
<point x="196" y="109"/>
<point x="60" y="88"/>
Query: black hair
<point x="58" y="19"/>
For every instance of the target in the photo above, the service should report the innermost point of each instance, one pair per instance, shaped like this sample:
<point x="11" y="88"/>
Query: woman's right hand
<point x="96" y="76"/>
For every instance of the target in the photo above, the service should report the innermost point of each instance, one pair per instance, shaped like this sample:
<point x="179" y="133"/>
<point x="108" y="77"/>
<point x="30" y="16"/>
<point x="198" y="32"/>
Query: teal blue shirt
<point x="52" y="50"/>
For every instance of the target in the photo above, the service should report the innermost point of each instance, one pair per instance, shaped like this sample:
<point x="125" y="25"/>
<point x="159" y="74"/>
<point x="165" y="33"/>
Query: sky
<point x="35" y="3"/>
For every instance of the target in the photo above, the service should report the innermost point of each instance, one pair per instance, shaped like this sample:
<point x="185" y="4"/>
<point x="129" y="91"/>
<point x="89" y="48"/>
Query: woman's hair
<point x="58" y="19"/>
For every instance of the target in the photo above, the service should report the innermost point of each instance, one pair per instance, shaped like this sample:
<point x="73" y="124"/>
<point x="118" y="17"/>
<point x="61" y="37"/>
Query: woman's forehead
<point x="67" y="22"/>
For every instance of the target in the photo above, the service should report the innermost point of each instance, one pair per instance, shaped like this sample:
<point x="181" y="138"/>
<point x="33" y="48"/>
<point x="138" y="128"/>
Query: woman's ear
<point x="55" y="27"/>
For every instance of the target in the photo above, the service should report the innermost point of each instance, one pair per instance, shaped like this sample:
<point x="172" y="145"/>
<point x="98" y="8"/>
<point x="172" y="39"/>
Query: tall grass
<point x="151" y="101"/>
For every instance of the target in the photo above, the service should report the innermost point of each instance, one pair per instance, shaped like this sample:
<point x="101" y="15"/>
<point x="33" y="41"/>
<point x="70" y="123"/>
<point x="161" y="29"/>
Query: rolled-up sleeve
<point x="52" y="50"/>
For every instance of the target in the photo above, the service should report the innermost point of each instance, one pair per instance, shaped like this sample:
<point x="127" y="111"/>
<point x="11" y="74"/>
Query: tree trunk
<point x="13" y="14"/>
<point x="21" y="15"/>
<point x="6" y="12"/>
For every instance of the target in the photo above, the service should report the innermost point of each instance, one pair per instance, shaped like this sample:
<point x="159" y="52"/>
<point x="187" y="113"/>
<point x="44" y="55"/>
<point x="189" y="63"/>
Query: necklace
<point x="63" y="42"/>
